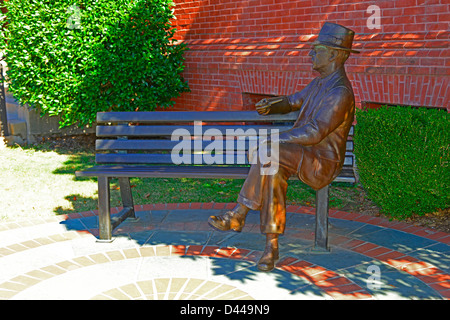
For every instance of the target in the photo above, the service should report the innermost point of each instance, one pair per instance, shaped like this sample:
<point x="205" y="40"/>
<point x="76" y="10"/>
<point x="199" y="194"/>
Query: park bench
<point x="139" y="144"/>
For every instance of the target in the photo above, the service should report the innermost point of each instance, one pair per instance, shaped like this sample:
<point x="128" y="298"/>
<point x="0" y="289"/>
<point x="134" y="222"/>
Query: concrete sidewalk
<point x="172" y="253"/>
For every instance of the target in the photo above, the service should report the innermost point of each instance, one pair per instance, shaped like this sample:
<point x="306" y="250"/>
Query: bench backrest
<point x="146" y="137"/>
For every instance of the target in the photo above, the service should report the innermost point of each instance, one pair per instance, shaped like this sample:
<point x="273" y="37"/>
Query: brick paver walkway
<point x="172" y="253"/>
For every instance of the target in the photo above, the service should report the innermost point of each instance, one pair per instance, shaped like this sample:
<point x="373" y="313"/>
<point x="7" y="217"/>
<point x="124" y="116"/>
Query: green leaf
<point x="75" y="73"/>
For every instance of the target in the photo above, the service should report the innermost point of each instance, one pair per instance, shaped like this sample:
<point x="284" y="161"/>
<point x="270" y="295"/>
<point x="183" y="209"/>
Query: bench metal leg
<point x="321" y="235"/>
<point x="106" y="224"/>
<point x="104" y="212"/>
<point x="127" y="196"/>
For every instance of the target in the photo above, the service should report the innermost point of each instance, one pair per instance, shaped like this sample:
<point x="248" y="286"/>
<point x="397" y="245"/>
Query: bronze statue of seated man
<point x="313" y="149"/>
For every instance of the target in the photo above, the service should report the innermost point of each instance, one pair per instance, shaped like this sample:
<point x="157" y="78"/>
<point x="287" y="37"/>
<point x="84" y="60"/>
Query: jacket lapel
<point x="314" y="97"/>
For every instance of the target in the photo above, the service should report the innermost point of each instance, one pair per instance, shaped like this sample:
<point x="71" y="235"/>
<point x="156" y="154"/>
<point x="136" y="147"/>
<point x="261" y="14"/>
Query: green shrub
<point x="76" y="58"/>
<point x="402" y="157"/>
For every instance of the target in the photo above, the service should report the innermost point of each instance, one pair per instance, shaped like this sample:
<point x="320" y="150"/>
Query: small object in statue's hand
<point x="263" y="106"/>
<point x="271" y="102"/>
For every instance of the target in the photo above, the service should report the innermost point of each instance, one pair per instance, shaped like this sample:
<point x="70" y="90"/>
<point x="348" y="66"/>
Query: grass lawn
<point x="40" y="181"/>
<point x="31" y="183"/>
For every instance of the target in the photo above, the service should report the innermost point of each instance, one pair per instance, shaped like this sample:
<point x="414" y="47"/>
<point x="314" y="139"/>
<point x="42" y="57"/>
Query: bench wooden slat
<point x="112" y="144"/>
<point x="154" y="144"/>
<point x="159" y="144"/>
<point x="211" y="172"/>
<point x="151" y="158"/>
<point x="349" y="145"/>
<point x="162" y="130"/>
<point x="190" y="116"/>
<point x="160" y="159"/>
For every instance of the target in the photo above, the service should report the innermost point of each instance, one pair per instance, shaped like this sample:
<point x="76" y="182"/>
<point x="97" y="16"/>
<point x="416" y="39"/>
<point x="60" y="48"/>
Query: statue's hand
<point x="263" y="106"/>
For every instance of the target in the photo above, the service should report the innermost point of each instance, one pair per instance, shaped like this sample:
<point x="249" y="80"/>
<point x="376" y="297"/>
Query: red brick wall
<point x="261" y="47"/>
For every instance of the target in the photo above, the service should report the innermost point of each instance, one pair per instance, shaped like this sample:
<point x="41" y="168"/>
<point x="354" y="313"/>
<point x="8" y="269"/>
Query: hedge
<point x="402" y="156"/>
<point x="76" y="58"/>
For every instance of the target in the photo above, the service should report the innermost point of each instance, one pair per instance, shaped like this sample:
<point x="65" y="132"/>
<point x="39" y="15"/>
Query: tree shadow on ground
<point x="174" y="228"/>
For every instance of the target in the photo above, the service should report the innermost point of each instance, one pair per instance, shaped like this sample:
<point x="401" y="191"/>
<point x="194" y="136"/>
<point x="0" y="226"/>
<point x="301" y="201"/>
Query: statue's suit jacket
<point x="326" y="110"/>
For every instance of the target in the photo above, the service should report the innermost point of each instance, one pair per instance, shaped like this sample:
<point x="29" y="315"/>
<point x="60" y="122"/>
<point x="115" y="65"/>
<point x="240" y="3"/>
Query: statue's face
<point x="320" y="56"/>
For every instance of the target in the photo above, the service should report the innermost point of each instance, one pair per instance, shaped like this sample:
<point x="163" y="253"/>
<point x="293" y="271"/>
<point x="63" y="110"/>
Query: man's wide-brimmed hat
<point x="336" y="36"/>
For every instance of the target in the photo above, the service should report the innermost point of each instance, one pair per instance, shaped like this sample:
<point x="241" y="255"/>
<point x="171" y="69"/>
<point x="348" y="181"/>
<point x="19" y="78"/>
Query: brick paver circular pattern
<point x="174" y="289"/>
<point x="172" y="253"/>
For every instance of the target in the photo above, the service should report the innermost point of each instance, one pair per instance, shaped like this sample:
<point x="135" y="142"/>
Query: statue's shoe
<point x="268" y="259"/>
<point x="229" y="221"/>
